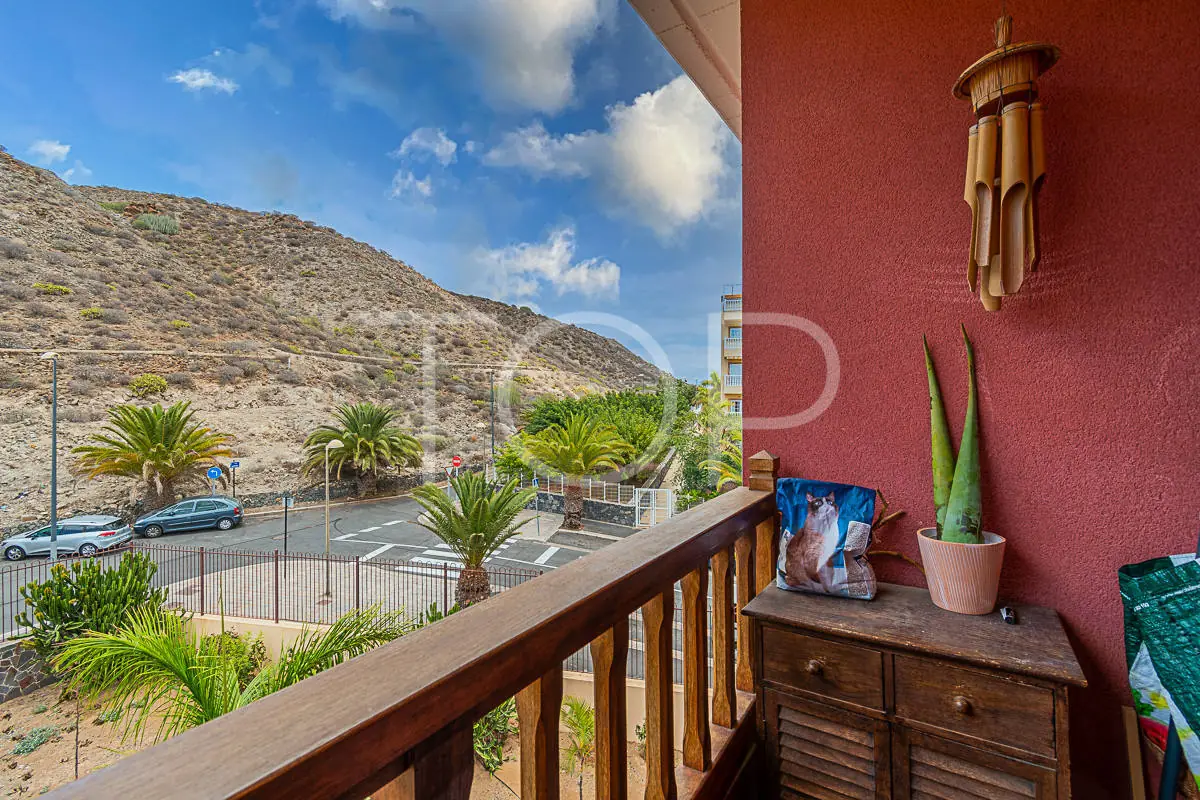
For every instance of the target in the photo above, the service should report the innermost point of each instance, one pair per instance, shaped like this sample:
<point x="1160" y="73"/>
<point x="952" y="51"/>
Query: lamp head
<point x="335" y="445"/>
<point x="48" y="356"/>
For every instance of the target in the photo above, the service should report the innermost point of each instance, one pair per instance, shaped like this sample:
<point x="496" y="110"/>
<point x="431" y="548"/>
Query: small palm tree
<point x="159" y="447"/>
<point x="370" y="440"/>
<point x="727" y="466"/>
<point x="580" y="721"/>
<point x="479" y="519"/>
<point x="154" y="665"/>
<point x="579" y="446"/>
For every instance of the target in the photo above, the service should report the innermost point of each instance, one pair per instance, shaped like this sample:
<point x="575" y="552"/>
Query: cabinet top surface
<point x="904" y="618"/>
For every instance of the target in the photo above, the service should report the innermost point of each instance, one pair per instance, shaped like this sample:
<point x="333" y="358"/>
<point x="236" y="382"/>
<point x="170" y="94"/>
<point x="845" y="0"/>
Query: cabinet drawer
<point x="984" y="706"/>
<point x="831" y="669"/>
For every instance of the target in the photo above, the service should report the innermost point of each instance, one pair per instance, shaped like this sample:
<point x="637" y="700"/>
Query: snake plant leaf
<point x="943" y="450"/>
<point x="964" y="512"/>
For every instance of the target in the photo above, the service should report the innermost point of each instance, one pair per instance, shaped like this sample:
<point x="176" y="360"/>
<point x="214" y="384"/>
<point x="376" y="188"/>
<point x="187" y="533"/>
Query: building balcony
<point x="733" y="382"/>
<point x="732" y="347"/>
<point x="731" y="309"/>
<point x="396" y="722"/>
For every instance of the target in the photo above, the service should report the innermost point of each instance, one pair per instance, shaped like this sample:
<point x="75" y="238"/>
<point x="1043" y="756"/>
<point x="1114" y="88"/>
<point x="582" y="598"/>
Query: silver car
<point x="85" y="536"/>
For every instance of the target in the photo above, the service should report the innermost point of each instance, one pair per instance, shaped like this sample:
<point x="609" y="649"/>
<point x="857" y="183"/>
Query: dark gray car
<point x="190" y="514"/>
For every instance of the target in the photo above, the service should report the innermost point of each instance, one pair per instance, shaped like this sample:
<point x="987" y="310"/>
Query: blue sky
<point x="542" y="152"/>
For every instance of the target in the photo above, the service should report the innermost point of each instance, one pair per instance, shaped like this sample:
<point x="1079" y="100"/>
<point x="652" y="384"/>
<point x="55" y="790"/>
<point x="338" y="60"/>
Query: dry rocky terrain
<point x="263" y="321"/>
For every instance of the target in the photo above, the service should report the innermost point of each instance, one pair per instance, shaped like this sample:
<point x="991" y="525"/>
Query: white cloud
<point x="77" y="174"/>
<point x="49" y="151"/>
<point x="519" y="271"/>
<point x="662" y="157"/>
<point x="244" y="64"/>
<point x="196" y="79"/>
<point x="430" y="141"/>
<point x="406" y="186"/>
<point x="524" y="50"/>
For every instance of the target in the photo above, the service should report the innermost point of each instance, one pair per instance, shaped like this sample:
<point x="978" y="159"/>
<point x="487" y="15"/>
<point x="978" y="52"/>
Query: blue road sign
<point x="234" y="464"/>
<point x="214" y="473"/>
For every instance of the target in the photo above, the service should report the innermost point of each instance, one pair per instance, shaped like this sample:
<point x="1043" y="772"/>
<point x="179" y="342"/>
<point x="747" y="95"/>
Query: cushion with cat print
<point x="825" y="533"/>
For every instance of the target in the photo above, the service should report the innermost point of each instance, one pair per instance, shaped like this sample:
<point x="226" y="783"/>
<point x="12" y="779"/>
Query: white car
<point x="85" y="536"/>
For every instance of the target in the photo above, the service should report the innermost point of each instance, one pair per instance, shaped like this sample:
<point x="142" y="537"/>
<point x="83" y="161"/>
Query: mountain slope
<point x="262" y="320"/>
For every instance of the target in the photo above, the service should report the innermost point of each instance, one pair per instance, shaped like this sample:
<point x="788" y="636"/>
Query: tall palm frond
<point x="370" y="440"/>
<point x="728" y="464"/>
<point x="153" y="664"/>
<point x="479" y="519"/>
<point x="155" y="445"/>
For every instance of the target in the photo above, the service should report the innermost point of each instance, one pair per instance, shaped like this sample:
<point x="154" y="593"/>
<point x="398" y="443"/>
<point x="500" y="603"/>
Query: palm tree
<point x="479" y="519"/>
<point x="159" y="447"/>
<point x="370" y="440"/>
<point x="579" y="446"/>
<point x="154" y="665"/>
<point x="728" y="464"/>
<point x="580" y="721"/>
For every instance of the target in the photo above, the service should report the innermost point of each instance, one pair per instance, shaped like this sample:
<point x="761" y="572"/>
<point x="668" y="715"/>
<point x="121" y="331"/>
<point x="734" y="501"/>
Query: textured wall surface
<point x="21" y="671"/>
<point x="853" y="160"/>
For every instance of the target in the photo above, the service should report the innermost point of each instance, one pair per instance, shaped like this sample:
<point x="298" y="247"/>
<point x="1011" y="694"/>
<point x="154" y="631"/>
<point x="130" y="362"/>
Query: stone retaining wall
<point x="21" y="671"/>
<point x="599" y="510"/>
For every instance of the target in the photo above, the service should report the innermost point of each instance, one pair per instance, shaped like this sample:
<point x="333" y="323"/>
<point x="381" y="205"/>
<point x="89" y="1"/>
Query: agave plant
<point x="154" y="665"/>
<point x="160" y="447"/>
<point x="956" y="493"/>
<point x="370" y="440"/>
<point x="474" y="523"/>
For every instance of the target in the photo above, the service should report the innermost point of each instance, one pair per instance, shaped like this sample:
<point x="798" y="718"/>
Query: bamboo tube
<point x="970" y="197"/>
<point x="985" y="176"/>
<point x="1014" y="190"/>
<point x="991" y="300"/>
<point x="1037" y="171"/>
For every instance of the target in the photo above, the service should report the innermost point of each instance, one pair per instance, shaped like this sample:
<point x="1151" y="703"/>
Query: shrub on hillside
<point x="180" y="379"/>
<point x="291" y="376"/>
<point x="117" y="207"/>
<point x="147" y="384"/>
<point x="159" y="223"/>
<point x="91" y="313"/>
<point x="229" y="374"/>
<point x="114" y="316"/>
<point x="178" y="324"/>
<point x="13" y="250"/>
<point x="53" y="289"/>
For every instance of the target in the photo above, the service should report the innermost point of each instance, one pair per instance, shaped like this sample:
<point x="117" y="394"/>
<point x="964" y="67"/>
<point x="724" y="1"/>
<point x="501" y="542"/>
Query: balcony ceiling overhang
<point x="704" y="36"/>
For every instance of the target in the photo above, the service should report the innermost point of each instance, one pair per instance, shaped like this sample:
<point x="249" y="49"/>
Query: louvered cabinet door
<point x="822" y="753"/>
<point x="930" y="768"/>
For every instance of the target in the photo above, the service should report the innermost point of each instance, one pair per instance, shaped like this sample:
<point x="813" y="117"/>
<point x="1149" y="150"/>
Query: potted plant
<point x="962" y="561"/>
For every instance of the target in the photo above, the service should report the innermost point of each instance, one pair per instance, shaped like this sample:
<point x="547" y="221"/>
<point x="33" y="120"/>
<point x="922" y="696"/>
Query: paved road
<point x="368" y="530"/>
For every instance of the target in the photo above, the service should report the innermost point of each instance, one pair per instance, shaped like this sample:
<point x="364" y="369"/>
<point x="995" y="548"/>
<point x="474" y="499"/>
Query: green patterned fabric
<point x="1162" y="648"/>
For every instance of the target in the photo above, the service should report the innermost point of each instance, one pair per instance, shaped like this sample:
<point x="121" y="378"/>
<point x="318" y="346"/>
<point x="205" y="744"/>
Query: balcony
<point x="731" y="309"/>
<point x="733" y="382"/>
<point x="732" y="347"/>
<point x="396" y="722"/>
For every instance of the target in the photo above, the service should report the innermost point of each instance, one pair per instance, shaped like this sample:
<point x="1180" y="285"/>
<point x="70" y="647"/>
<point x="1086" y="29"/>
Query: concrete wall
<point x="853" y="159"/>
<point x="276" y="636"/>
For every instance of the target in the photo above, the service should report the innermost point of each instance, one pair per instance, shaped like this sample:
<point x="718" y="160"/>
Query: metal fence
<point x="296" y="587"/>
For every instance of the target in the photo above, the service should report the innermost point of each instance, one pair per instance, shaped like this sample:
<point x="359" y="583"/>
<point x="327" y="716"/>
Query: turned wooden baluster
<point x="743" y="550"/>
<point x="697" y="749"/>
<point x="755" y="555"/>
<point x="724" y="704"/>
<point x="443" y="772"/>
<point x="609" y="654"/>
<point x="538" y="708"/>
<point x="657" y="617"/>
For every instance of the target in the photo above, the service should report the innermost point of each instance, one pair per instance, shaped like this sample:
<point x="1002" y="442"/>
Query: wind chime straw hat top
<point x="1009" y="67"/>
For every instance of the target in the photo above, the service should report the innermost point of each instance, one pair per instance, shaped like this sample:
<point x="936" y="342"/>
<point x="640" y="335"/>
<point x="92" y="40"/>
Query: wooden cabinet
<point x="895" y="698"/>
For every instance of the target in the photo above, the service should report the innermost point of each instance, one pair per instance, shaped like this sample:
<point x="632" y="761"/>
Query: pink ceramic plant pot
<point x="963" y="578"/>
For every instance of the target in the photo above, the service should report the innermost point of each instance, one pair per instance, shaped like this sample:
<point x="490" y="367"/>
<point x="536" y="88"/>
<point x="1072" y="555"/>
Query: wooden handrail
<point x="352" y="729"/>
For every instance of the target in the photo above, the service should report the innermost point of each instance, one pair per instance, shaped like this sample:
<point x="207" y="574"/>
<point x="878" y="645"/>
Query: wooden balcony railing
<point x="396" y="722"/>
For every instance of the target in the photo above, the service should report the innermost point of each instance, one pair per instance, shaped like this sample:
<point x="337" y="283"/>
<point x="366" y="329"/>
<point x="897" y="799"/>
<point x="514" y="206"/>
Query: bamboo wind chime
<point x="1006" y="162"/>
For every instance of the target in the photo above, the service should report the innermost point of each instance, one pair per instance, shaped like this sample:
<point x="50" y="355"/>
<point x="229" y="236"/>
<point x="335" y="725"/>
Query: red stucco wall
<point x="853" y="158"/>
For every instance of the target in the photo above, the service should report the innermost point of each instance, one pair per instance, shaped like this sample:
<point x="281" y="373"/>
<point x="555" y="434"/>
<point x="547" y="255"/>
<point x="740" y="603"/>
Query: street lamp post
<point x="492" y="378"/>
<point x="53" y="359"/>
<point x="333" y="445"/>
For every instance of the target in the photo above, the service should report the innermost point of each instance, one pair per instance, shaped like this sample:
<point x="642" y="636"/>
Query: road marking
<point x="377" y="551"/>
<point x="344" y="537"/>
<point x="368" y="530"/>
<point x="519" y="561"/>
<point x="394" y="522"/>
<point x="393" y="544"/>
<point x="424" y="559"/>
<point x="546" y="556"/>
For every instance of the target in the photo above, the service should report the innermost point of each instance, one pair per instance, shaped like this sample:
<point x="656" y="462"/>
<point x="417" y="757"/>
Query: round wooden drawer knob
<point x="815" y="668"/>
<point x="962" y="705"/>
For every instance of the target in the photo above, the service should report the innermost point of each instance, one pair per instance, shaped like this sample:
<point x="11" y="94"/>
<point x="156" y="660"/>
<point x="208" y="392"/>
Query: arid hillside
<point x="264" y="321"/>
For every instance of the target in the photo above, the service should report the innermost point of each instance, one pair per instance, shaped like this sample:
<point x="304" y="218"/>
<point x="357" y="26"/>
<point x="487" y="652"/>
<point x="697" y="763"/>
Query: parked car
<point x="190" y="514"/>
<point x="85" y="536"/>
